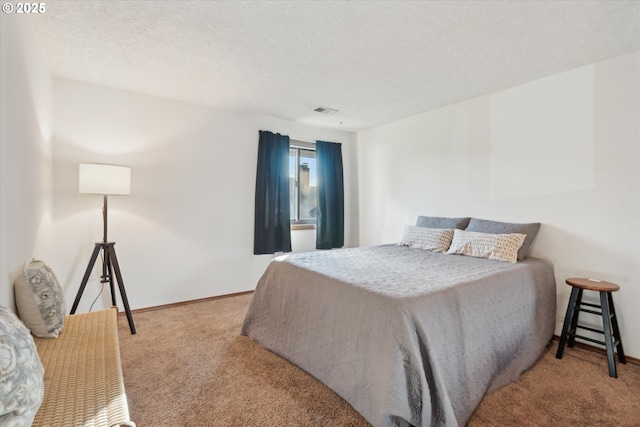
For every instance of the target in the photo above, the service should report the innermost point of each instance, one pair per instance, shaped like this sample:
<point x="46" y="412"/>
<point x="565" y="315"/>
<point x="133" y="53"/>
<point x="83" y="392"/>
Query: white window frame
<point x="296" y="223"/>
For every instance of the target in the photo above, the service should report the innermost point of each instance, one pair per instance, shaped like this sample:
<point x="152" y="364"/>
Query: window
<point x="302" y="183"/>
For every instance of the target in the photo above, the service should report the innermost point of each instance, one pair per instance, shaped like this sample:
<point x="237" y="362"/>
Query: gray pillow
<point x="496" y="227"/>
<point x="40" y="300"/>
<point x="442" y="222"/>
<point x="21" y="372"/>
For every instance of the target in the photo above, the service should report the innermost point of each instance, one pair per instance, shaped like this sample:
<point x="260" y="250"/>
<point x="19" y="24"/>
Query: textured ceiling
<point x="375" y="62"/>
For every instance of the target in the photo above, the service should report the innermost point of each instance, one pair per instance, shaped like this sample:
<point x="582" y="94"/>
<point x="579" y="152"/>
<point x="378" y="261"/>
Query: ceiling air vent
<point x="325" y="110"/>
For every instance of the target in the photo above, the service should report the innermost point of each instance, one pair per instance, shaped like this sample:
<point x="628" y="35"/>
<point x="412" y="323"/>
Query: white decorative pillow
<point x="21" y="372"/>
<point x="433" y="239"/>
<point x="40" y="300"/>
<point x="501" y="247"/>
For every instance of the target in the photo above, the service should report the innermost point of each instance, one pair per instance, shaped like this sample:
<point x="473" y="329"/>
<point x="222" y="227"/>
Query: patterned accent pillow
<point x="501" y="247"/>
<point x="497" y="227"/>
<point x="40" y="300"/>
<point x="433" y="239"/>
<point x="21" y="372"/>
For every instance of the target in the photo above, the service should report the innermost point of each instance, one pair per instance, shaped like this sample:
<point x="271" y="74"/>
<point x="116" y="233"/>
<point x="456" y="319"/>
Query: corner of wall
<point x="25" y="139"/>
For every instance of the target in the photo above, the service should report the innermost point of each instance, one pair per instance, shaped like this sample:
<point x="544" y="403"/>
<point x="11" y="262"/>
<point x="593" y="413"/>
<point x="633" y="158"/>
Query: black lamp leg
<point x="123" y="294"/>
<point x="107" y="275"/>
<point x="109" y="267"/>
<point x="85" y="278"/>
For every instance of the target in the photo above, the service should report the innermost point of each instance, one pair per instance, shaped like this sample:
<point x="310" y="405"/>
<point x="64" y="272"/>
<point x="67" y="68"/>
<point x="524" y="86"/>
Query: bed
<point x="407" y="336"/>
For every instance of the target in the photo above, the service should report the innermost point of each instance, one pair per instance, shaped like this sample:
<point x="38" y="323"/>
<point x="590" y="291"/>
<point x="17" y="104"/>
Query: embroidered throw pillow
<point x="21" y="372"/>
<point x="40" y="300"/>
<point x="501" y="247"/>
<point x="433" y="239"/>
<point x="497" y="227"/>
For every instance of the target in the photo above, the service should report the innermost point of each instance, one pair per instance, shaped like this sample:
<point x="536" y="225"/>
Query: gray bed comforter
<point x="406" y="336"/>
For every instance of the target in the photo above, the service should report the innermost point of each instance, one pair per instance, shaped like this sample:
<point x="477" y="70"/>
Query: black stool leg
<point x="616" y="330"/>
<point x="568" y="321"/>
<point x="574" y="320"/>
<point x="606" y="323"/>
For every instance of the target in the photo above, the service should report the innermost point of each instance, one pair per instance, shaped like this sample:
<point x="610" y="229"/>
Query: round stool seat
<point x="592" y="285"/>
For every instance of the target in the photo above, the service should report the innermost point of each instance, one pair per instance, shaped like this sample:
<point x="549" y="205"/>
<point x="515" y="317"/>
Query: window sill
<point x="303" y="227"/>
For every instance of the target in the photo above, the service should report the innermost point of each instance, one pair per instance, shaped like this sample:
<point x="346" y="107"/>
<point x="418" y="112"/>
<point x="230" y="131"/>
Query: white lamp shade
<point x="104" y="179"/>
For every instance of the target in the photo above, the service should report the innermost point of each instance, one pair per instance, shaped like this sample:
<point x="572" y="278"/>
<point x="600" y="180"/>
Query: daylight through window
<point x="302" y="182"/>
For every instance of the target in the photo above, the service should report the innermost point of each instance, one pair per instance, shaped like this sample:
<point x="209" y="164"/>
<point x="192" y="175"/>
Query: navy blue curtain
<point x="272" y="232"/>
<point x="330" y="187"/>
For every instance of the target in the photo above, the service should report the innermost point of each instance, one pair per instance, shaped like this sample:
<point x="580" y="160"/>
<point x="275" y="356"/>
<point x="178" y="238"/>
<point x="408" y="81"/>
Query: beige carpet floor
<point x="188" y="366"/>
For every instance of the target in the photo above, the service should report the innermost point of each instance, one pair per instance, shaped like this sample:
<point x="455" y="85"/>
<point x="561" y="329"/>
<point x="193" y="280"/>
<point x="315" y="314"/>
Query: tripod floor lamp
<point x="106" y="180"/>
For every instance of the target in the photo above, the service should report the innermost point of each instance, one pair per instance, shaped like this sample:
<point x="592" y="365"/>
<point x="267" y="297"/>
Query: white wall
<point x="186" y="231"/>
<point x="563" y="150"/>
<point x="25" y="154"/>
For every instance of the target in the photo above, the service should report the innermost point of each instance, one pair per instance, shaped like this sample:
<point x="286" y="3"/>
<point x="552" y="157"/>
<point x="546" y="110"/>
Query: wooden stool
<point x="609" y="321"/>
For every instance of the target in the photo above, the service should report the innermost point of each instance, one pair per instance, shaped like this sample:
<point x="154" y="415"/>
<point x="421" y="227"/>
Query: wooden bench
<point x="83" y="384"/>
